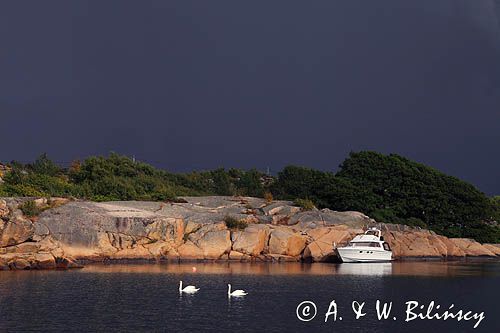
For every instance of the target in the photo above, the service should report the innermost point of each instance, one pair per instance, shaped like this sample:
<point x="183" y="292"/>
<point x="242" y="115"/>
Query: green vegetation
<point x="305" y="204"/>
<point x="120" y="178"/>
<point x="393" y="189"/>
<point x="233" y="223"/>
<point x="495" y="201"/>
<point x="30" y="209"/>
<point x="390" y="189"/>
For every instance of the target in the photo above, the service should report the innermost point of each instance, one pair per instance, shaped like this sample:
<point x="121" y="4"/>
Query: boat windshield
<point x="372" y="232"/>
<point x="369" y="244"/>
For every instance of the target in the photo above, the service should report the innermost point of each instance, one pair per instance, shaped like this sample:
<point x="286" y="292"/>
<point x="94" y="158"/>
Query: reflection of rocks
<point x="196" y="230"/>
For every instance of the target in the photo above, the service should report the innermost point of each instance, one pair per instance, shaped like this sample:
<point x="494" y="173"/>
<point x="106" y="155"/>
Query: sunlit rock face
<point x="196" y="230"/>
<point x="15" y="231"/>
<point x="191" y="230"/>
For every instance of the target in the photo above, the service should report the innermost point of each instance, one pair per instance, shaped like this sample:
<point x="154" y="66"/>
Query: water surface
<point x="125" y="298"/>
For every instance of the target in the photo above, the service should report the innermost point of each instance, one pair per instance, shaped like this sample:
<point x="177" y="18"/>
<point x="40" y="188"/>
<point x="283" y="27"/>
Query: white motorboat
<point x="367" y="247"/>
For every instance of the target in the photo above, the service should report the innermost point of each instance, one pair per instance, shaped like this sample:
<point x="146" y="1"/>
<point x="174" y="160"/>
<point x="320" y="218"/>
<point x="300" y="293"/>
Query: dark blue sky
<point x="200" y="84"/>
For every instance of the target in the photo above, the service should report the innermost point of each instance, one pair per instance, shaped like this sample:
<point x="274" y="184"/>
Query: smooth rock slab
<point x="283" y="241"/>
<point x="321" y="248"/>
<point x="190" y="251"/>
<point x="471" y="247"/>
<point x="214" y="244"/>
<point x="251" y="241"/>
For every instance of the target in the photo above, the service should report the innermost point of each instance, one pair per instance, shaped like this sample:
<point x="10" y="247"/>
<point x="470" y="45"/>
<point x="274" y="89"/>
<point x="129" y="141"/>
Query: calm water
<point x="119" y="298"/>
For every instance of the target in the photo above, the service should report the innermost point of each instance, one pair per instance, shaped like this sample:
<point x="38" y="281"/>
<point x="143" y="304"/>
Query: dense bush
<point x="30" y="209"/>
<point x="44" y="166"/>
<point x="233" y="223"/>
<point x="495" y="201"/>
<point x="250" y="184"/>
<point x="323" y="188"/>
<point x="298" y="182"/>
<point x="405" y="189"/>
<point x="394" y="189"/>
<point x="120" y="178"/>
<point x="305" y="204"/>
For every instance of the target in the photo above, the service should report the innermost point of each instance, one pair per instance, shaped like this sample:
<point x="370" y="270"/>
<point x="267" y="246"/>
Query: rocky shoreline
<point x="68" y="233"/>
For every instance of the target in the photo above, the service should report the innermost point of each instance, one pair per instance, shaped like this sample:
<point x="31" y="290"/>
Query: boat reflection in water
<point x="382" y="268"/>
<point x="407" y="268"/>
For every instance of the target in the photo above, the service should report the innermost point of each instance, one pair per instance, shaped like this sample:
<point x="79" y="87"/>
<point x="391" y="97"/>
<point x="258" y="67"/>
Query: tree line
<point x="388" y="188"/>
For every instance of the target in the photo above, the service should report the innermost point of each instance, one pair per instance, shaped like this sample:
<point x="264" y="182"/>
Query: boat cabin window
<point x="370" y="244"/>
<point x="387" y="247"/>
<point x="372" y="233"/>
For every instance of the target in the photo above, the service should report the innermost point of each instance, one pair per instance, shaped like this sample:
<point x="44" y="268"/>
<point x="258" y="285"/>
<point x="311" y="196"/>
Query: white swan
<point x="236" y="293"/>
<point x="187" y="289"/>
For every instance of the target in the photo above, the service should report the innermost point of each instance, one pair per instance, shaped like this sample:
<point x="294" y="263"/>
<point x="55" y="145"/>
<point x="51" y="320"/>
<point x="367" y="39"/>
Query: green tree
<point x="250" y="184"/>
<point x="299" y="182"/>
<point x="222" y="184"/>
<point x="495" y="201"/>
<point x="43" y="165"/>
<point x="406" y="191"/>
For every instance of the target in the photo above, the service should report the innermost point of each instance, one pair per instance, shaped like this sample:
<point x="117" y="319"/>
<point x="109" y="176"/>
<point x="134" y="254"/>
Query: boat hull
<point x="350" y="254"/>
